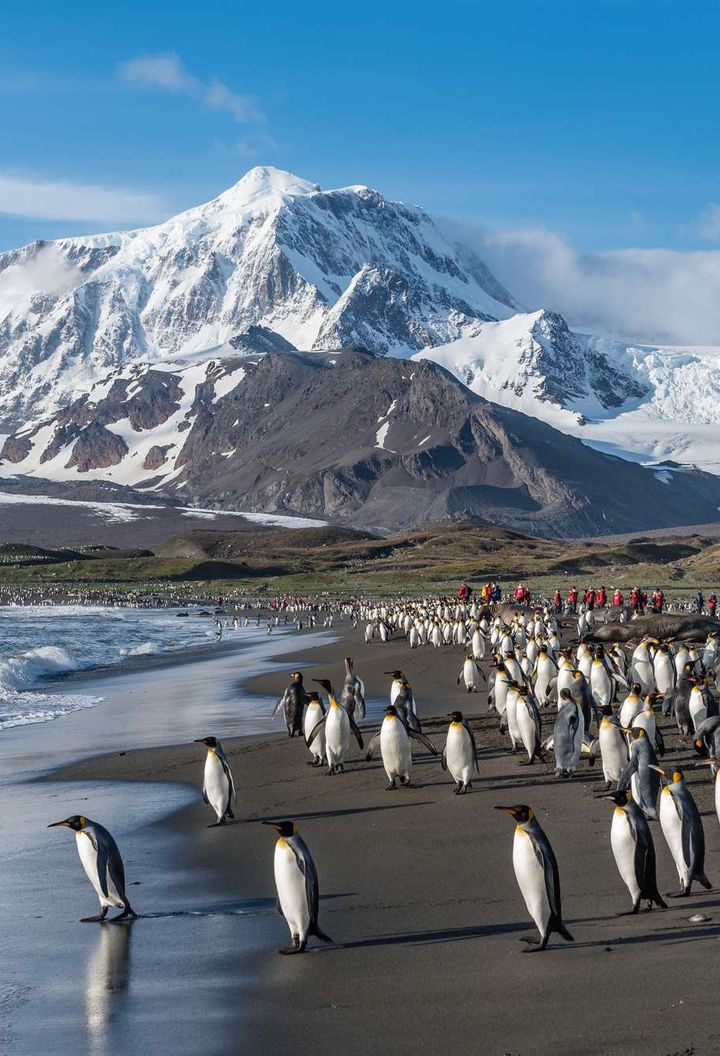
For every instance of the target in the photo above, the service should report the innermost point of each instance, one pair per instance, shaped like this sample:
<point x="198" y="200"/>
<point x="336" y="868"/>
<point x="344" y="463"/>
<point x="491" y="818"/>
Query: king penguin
<point x="313" y="715"/>
<point x="292" y="703"/>
<point x="338" y="727"/>
<point x="218" y="784"/>
<point x="633" y="850"/>
<point x="103" y="865"/>
<point x="536" y="871"/>
<point x="297" y="887"/>
<point x="394" y="740"/>
<point x="682" y="828"/>
<point x="460" y="752"/>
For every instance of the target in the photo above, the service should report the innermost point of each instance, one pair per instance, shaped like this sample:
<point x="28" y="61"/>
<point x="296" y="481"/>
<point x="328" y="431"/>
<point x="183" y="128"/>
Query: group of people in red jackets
<point x="597" y="598"/>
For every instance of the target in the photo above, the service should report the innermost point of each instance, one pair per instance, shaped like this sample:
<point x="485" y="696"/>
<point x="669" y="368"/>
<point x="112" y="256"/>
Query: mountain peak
<point x="266" y="182"/>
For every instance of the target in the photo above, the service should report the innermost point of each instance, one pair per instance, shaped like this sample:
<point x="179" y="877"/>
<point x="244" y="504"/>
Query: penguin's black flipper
<point x="471" y="735"/>
<point x="659" y="741"/>
<point x="228" y="775"/>
<point x="443" y="758"/>
<point x="313" y="733"/>
<point x="417" y="736"/>
<point x="628" y="770"/>
<point x="356" y="731"/>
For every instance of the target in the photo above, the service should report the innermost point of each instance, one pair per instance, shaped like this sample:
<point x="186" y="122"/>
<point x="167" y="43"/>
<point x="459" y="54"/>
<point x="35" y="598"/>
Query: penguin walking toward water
<point x="633" y="850"/>
<point x="537" y="874"/>
<point x="103" y="865"/>
<point x="338" y="727"/>
<point x="682" y="828"/>
<point x="470" y="675"/>
<point x="394" y="741"/>
<point x="218" y="784"/>
<point x="293" y="703"/>
<point x="353" y="692"/>
<point x="313" y="715"/>
<point x="296" y="881"/>
<point x="459" y="755"/>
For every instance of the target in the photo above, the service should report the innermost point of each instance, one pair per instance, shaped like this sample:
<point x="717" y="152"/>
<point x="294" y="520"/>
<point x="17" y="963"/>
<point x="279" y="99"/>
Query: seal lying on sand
<point x="683" y="627"/>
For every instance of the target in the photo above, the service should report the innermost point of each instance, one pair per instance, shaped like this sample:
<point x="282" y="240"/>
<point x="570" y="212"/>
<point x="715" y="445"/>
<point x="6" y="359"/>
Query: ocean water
<point x="39" y="643"/>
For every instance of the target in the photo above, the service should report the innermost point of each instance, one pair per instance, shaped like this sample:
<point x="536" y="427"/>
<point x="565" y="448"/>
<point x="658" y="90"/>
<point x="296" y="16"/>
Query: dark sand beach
<point x="417" y="890"/>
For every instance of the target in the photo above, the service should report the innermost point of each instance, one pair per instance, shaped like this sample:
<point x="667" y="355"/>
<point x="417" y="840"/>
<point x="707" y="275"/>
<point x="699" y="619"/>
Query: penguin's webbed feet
<point x="99" y="918"/>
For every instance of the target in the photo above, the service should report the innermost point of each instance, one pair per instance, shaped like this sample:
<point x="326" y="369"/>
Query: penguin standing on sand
<point x="568" y="734"/>
<point x="338" y="727"/>
<point x="218" y="784"/>
<point x="613" y="746"/>
<point x="396" y="685"/>
<point x="297" y="887"/>
<point x="536" y="871"/>
<point x="682" y="828"/>
<point x="313" y="714"/>
<point x="527" y="717"/>
<point x="353" y="692"/>
<point x="633" y="850"/>
<point x="640" y="773"/>
<point x="394" y="741"/>
<point x="103" y="865"/>
<point x="406" y="707"/>
<point x="293" y="702"/>
<point x="470" y="675"/>
<point x="460" y="752"/>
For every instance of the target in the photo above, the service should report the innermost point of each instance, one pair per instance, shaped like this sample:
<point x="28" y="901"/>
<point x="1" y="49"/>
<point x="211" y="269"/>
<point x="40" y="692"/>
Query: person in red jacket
<point x="643" y="602"/>
<point x="618" y="598"/>
<point x="589" y="598"/>
<point x="557" y="601"/>
<point x="572" y="599"/>
<point x="712" y="602"/>
<point x="635" y="599"/>
<point x="658" y="600"/>
<point x="601" y="599"/>
<point x="519" y="594"/>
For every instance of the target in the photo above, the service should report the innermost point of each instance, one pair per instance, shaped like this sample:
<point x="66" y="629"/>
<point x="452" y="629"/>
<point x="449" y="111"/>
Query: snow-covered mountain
<point x="313" y="268"/>
<point x="276" y="264"/>
<point x="643" y="403"/>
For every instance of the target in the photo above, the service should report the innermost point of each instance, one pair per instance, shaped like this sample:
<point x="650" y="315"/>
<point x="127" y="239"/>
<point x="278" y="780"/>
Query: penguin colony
<point x="602" y="703"/>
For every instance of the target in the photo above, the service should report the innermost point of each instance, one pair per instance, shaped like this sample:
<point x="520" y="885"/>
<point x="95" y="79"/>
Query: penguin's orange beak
<point x="508" y="810"/>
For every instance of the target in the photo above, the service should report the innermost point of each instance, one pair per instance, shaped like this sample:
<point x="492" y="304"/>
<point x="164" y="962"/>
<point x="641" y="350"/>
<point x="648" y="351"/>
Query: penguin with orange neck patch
<point x="296" y="881"/>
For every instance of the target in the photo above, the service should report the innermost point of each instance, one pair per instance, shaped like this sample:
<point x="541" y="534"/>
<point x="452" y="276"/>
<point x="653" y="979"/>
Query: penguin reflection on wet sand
<point x="103" y="865"/>
<point x="297" y="887"/>
<point x="218" y="784"/>
<point x="536" y="871"/>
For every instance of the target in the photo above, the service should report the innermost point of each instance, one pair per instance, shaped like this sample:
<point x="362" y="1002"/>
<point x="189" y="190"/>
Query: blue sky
<point x="594" y="120"/>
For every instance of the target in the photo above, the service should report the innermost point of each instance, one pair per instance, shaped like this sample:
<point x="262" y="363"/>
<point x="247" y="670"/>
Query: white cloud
<point x="46" y="272"/>
<point x="638" y="294"/>
<point x="38" y="199"/>
<point x="167" y="73"/>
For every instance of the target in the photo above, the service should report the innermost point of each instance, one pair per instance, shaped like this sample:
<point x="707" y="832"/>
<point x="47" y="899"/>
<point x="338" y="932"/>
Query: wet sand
<point x="417" y="890"/>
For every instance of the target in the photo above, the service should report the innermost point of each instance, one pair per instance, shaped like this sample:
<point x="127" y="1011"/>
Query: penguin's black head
<point x="395" y="674"/>
<point x="325" y="683"/>
<point x="565" y="694"/>
<point x="606" y="709"/>
<point x="521" y="812"/>
<point x="619" y="796"/>
<point x="77" y="823"/>
<point x="456" y="716"/>
<point x="636" y="688"/>
<point x="599" y="652"/>
<point x="314" y="695"/>
<point x="296" y="676"/>
<point x="283" y="828"/>
<point x="391" y="710"/>
<point x="209" y="742"/>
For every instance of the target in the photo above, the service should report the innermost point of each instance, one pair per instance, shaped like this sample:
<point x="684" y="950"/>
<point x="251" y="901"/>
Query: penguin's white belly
<point x="217" y="786"/>
<point x="697" y="706"/>
<point x="613" y="752"/>
<point x="671" y="826"/>
<point x="600" y="685"/>
<point x="312" y="718"/>
<point x="470" y="675"/>
<point x="395" y="749"/>
<point x="530" y="876"/>
<point x="292" y="895"/>
<point x="631" y="707"/>
<point x="511" y="709"/>
<point x="500" y="690"/>
<point x="664" y="674"/>
<point x="545" y="674"/>
<point x="337" y="735"/>
<point x="88" y="857"/>
<point x="644" y="674"/>
<point x="526" y="727"/>
<point x="459" y="753"/>
<point x="623" y="848"/>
